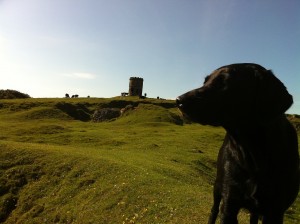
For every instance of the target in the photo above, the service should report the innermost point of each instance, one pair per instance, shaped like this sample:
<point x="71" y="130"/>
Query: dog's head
<point x="236" y="94"/>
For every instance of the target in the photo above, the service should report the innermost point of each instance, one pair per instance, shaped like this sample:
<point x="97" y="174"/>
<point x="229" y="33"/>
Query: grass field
<point x="144" y="167"/>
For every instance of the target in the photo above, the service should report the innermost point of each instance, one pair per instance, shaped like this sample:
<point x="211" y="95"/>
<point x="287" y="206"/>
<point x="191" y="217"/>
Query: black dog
<point x="258" y="163"/>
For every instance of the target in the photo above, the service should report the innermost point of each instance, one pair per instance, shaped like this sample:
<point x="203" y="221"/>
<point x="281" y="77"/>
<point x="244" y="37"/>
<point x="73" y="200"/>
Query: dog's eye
<point x="218" y="82"/>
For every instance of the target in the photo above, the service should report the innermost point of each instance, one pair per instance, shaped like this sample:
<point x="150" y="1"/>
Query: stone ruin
<point x="136" y="86"/>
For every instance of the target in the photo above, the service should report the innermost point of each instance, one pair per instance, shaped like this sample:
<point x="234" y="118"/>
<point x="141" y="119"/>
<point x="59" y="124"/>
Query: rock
<point x="105" y="114"/>
<point x="127" y="108"/>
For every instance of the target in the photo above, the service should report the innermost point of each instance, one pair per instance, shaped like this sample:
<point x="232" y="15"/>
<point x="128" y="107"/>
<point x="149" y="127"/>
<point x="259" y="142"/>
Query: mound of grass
<point x="65" y="185"/>
<point x="150" y="113"/>
<point x="43" y="113"/>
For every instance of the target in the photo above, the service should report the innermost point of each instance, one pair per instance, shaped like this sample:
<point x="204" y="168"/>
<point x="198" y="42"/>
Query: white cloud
<point x="81" y="75"/>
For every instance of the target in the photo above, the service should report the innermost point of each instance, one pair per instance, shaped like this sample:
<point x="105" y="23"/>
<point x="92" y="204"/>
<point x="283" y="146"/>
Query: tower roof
<point x="136" y="78"/>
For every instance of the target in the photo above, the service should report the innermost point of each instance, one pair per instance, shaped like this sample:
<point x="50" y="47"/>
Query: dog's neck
<point x="259" y="123"/>
<point x="258" y="135"/>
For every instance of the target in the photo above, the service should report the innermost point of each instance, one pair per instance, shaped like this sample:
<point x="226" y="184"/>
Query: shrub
<point x="12" y="94"/>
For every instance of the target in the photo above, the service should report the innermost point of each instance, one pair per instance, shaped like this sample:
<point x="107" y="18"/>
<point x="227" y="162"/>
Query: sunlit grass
<point x="140" y="168"/>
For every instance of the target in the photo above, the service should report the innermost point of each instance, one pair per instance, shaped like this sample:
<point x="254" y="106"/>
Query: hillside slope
<point x="146" y="166"/>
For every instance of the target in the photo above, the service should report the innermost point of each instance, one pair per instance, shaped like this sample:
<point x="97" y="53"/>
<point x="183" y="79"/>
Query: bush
<point x="12" y="94"/>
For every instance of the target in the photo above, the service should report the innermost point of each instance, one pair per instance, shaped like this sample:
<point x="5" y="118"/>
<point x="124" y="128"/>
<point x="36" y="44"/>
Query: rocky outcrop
<point x="105" y="114"/>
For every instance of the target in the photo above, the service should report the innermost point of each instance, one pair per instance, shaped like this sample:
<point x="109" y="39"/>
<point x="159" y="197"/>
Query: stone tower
<point x="136" y="86"/>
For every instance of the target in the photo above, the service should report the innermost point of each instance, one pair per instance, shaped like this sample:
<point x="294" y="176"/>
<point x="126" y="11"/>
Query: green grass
<point x="144" y="167"/>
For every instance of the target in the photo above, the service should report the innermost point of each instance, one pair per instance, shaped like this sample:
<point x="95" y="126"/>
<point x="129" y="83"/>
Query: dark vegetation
<point x="145" y="166"/>
<point x="12" y="94"/>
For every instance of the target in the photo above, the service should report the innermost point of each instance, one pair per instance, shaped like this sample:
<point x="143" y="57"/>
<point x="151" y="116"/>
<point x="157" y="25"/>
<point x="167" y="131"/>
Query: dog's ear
<point x="272" y="97"/>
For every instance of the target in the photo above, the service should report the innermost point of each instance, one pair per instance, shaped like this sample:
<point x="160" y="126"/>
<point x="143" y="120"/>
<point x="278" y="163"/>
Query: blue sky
<point x="92" y="47"/>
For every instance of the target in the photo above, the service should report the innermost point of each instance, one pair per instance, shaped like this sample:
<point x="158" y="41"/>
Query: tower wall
<point x="136" y="86"/>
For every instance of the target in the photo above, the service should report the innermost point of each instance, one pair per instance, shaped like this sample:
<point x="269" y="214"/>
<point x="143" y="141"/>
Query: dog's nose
<point x="179" y="102"/>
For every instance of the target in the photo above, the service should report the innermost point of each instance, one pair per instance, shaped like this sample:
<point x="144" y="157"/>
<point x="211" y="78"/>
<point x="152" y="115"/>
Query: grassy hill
<point x="56" y="166"/>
